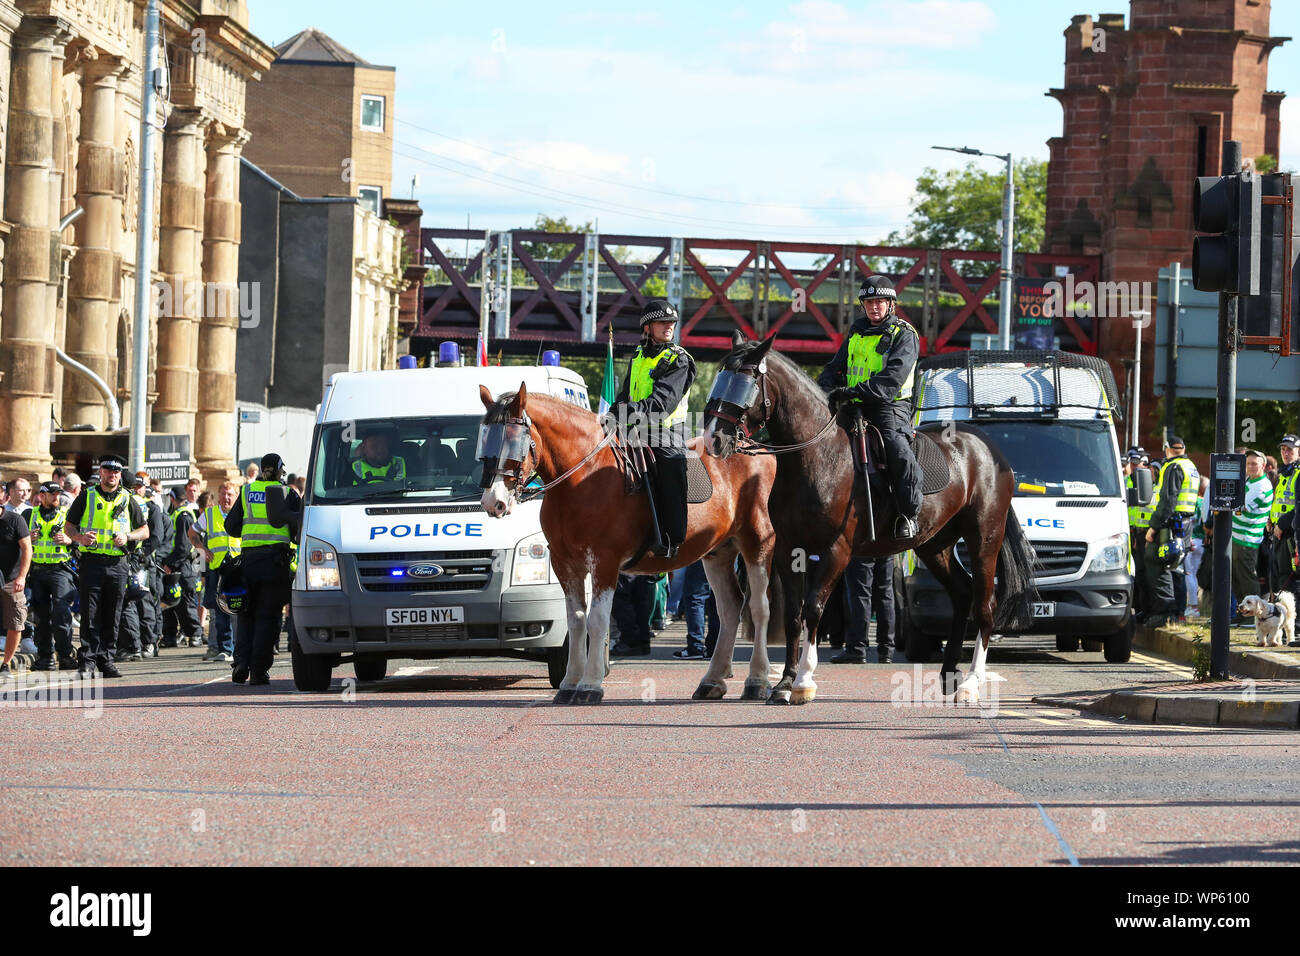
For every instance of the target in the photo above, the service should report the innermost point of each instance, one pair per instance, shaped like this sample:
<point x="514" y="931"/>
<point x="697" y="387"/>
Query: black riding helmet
<point x="658" y="310"/>
<point x="877" y="287"/>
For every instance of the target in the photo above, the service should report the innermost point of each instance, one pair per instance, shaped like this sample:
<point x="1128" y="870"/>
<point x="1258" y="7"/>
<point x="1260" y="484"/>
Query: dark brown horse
<point x="818" y="521"/>
<point x="594" y="529"/>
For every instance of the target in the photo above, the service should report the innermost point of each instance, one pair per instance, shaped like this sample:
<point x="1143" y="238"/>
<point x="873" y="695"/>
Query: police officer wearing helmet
<point x="657" y="387"/>
<point x="1174" y="498"/>
<point x="1139" y="518"/>
<point x="1281" y="518"/>
<point x="872" y="374"/>
<point x="377" y="462"/>
<point x="51" y="580"/>
<point x="265" y="519"/>
<point x="182" y="617"/>
<point x="106" y="519"/>
<point x="136" y="630"/>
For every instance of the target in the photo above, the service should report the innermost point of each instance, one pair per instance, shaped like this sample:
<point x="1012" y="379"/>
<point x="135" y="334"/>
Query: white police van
<point x="411" y="567"/>
<point x="1053" y="415"/>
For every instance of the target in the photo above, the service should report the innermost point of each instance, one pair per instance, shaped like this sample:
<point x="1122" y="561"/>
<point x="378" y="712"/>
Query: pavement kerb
<point x="1204" y="706"/>
<point x="1179" y="644"/>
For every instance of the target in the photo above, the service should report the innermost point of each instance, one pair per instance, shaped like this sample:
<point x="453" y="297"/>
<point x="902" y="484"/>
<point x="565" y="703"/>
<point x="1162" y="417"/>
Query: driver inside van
<point x="377" y="462"/>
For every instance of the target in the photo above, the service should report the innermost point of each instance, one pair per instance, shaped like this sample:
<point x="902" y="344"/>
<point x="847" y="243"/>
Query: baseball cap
<point x="112" y="462"/>
<point x="53" y="487"/>
<point x="1291" y="441"/>
<point x="1173" y="440"/>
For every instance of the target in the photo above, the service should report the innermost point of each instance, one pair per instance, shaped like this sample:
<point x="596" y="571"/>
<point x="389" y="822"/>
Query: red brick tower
<point x="1147" y="108"/>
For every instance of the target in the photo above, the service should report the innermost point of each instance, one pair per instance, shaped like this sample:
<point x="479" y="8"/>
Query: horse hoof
<point x="779" y="697"/>
<point x="968" y="695"/>
<point x="564" y="695"/>
<point x="755" y="692"/>
<point x="593" y="695"/>
<point x="710" y="691"/>
<point x="803" y="695"/>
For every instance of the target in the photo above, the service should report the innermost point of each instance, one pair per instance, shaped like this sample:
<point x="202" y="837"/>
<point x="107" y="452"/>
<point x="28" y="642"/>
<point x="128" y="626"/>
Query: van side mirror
<point x="1140" y="493"/>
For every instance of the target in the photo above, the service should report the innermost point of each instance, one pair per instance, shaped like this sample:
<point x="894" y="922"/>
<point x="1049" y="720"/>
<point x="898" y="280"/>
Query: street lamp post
<point x="1008" y="239"/>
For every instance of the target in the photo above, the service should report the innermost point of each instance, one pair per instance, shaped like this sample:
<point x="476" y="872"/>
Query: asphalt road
<point x="466" y="761"/>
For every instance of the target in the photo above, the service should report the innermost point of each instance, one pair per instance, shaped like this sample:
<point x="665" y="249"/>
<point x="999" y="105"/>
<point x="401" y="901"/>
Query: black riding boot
<point x="670" y="497"/>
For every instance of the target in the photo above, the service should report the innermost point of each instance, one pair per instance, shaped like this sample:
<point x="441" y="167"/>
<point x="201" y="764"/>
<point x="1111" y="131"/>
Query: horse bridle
<point x="515" y="474"/>
<point x="757" y="371"/>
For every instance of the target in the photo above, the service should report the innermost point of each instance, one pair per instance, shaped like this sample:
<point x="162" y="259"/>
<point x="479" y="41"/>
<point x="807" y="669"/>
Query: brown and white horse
<point x="594" y="529"/>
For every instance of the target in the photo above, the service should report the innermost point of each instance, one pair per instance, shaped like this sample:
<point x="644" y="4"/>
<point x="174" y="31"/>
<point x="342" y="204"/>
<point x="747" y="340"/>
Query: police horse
<point x="595" y="529"/>
<point x="819" y="519"/>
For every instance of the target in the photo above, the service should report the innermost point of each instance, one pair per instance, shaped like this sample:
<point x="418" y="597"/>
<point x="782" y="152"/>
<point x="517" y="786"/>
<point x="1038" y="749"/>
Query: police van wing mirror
<point x="1140" y="493"/>
<point x="485" y="397"/>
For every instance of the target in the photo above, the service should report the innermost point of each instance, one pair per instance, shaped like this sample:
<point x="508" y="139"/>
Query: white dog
<point x="1274" y="622"/>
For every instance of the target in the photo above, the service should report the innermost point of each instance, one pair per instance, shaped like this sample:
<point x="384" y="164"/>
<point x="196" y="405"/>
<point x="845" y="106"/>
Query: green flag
<point x="608" y="390"/>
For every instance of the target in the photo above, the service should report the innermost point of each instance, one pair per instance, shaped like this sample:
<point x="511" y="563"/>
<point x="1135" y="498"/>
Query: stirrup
<point x="905" y="527"/>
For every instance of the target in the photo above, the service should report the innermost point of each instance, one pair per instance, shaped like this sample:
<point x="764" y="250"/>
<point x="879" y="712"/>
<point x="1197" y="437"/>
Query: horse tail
<point x="1015" y="591"/>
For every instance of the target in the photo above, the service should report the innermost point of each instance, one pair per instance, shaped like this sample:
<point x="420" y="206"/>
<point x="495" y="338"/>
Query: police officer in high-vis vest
<point x="1281" y="519"/>
<point x="377" y="463"/>
<point x="181" y="621"/>
<point x="51" y="581"/>
<point x="107" y="518"/>
<point x="655" y="392"/>
<point x="1139" y="518"/>
<point x="135" y="634"/>
<point x="873" y="372"/>
<point x="265" y="519"/>
<point x="1173" y="500"/>
<point x="210" y="537"/>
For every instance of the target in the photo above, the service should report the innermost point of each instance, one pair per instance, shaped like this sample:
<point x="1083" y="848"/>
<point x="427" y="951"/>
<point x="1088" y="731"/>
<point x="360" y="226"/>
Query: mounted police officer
<point x="872" y="374"/>
<point x="1173" y="500"/>
<point x="265" y="518"/>
<point x="51" y="580"/>
<point x="377" y="463"/>
<point x="106" y="518"/>
<point x="656" y="387"/>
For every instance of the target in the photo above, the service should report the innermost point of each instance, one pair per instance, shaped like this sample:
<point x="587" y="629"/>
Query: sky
<point x="805" y="121"/>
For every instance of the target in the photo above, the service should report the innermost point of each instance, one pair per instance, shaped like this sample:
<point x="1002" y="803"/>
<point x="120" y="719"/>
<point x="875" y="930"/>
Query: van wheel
<point x="370" y="666"/>
<point x="1067" y="642"/>
<point x="311" y="672"/>
<point x="1094" y="646"/>
<point x="557" y="663"/>
<point x="1119" y="646"/>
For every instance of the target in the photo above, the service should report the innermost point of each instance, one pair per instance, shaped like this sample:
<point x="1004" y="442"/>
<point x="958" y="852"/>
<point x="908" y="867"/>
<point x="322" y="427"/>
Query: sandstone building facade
<point x="69" y="138"/>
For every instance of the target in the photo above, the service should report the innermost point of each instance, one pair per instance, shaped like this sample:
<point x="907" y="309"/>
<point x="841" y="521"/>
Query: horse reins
<point x="747" y="445"/>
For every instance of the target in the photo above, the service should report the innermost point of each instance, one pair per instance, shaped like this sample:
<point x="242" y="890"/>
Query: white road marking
<point x="177" y="690"/>
<point x="412" y="671"/>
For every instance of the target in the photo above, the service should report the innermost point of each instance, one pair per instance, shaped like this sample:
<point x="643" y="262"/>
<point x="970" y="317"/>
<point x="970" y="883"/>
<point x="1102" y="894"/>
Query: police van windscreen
<point x="397" y="459"/>
<point x="1059" y="458"/>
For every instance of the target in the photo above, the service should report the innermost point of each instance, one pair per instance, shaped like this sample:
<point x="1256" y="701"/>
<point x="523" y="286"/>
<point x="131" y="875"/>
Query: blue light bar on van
<point x="448" y="352"/>
<point x="406" y="361"/>
<point x="397" y="572"/>
<point x="550" y="357"/>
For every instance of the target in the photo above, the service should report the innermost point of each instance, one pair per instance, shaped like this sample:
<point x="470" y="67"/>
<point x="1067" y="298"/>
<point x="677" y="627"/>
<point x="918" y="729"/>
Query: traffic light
<point x="1229" y="207"/>
<point x="1267" y="320"/>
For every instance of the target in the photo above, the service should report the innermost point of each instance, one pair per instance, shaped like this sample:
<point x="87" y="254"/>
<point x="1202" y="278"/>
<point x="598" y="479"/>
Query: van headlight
<point x="1113" y="554"/>
<point x="322" y="566"/>
<point x="532" y="563"/>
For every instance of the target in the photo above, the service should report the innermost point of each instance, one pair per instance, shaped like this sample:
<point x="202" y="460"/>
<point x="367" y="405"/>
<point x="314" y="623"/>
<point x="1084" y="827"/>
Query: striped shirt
<point x="1248" y="524"/>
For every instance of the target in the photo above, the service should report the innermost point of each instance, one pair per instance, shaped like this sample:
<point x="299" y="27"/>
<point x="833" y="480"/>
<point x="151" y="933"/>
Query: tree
<point x="960" y="209"/>
<point x="551" y="250"/>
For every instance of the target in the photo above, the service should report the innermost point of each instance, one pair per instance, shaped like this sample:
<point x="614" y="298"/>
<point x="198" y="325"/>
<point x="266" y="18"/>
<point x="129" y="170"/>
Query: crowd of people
<point x="1263" y="547"/>
<point x="129" y="568"/>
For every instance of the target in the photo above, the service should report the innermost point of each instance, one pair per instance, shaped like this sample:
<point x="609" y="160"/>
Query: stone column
<point x="94" y="287"/>
<point x="32" y="255"/>
<point x="215" y="425"/>
<point x="181" y="227"/>
<point x="9" y="19"/>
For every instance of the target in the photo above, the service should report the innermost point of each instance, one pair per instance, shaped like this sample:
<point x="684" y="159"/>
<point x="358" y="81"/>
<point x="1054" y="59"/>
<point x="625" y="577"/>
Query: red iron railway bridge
<point x="568" y="302"/>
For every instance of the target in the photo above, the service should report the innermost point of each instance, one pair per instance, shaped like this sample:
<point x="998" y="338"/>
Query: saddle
<point x="935" y="473"/>
<point x="637" y="460"/>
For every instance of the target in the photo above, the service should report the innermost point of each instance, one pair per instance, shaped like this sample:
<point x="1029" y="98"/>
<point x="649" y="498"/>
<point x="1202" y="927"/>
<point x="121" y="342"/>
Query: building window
<point x="371" y="197"/>
<point x="372" y="113"/>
